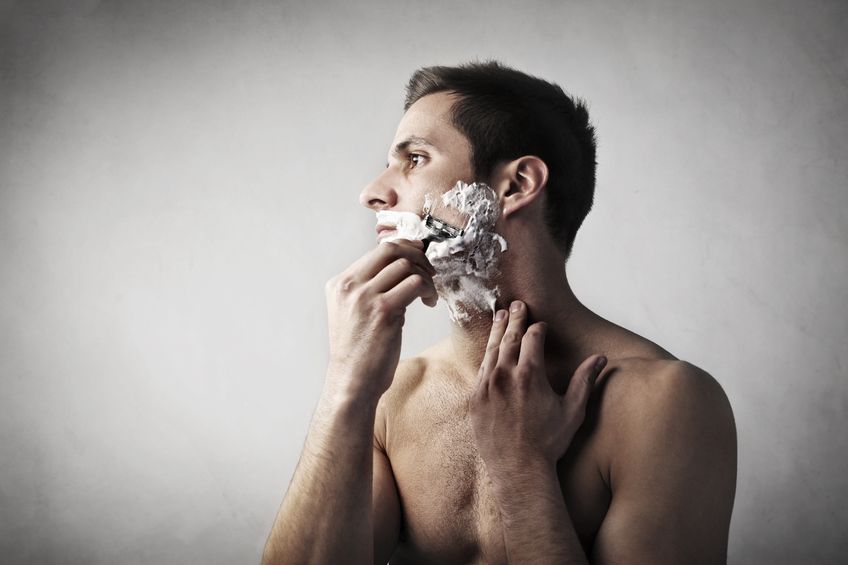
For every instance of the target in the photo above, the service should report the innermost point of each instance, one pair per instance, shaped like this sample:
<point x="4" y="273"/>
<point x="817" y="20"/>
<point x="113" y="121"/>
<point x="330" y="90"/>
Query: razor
<point x="439" y="230"/>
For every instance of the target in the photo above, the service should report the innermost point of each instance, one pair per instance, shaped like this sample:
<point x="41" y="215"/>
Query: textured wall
<point x="178" y="179"/>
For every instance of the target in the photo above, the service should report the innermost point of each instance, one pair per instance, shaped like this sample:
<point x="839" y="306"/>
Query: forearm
<point x="536" y="524"/>
<point x="326" y="515"/>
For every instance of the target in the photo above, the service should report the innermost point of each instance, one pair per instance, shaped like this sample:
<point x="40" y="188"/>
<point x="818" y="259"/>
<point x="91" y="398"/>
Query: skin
<point x="546" y="435"/>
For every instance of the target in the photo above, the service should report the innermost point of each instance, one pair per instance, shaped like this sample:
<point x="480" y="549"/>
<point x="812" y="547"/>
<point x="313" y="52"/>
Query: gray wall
<point x="178" y="180"/>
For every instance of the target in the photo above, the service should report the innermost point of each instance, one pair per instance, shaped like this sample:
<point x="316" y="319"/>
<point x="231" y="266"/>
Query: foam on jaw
<point x="466" y="266"/>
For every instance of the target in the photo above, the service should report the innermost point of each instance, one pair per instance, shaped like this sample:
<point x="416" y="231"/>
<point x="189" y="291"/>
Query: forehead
<point x="429" y="118"/>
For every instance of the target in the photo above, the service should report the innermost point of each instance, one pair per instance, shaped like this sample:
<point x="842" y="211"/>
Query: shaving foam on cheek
<point x="466" y="266"/>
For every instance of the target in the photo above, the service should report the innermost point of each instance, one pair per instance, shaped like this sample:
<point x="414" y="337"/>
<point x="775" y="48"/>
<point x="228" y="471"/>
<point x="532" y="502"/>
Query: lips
<point x="384" y="230"/>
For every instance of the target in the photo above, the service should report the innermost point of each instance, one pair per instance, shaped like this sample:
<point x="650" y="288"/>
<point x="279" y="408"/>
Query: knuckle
<point x="380" y="306"/>
<point x="495" y="374"/>
<point x="524" y="372"/>
<point x="382" y="311"/>
<point x="533" y="365"/>
<point x="500" y="374"/>
<point x="359" y="297"/>
<point x="338" y="285"/>
<point x="344" y="284"/>
<point x="512" y="337"/>
<point x="405" y="263"/>
<point x="534" y="333"/>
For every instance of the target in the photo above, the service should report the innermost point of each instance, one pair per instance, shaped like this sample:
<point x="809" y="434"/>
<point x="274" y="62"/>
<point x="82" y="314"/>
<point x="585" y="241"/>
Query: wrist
<point x="516" y="476"/>
<point x="519" y="465"/>
<point x="361" y="378"/>
<point x="344" y="390"/>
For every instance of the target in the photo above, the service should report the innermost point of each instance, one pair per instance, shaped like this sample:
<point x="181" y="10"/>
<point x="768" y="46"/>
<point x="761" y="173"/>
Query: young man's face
<point x="428" y="156"/>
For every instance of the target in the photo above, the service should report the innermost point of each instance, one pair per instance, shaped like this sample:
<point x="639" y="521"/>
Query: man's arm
<point x="521" y="428"/>
<point x="673" y="478"/>
<point x="536" y="524"/>
<point x="327" y="514"/>
<point x="673" y="474"/>
<point x="386" y="505"/>
<point x="343" y="492"/>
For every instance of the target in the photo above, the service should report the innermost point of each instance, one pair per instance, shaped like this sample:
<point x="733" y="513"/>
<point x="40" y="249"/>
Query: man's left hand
<point x="517" y="418"/>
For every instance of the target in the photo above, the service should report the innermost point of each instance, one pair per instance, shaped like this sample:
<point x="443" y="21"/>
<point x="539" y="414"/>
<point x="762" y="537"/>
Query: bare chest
<point x="449" y="514"/>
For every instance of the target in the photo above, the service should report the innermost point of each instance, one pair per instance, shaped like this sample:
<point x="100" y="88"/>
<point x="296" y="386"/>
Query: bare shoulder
<point x="641" y="389"/>
<point x="409" y="376"/>
<point x="668" y="457"/>
<point x="412" y="372"/>
<point x="668" y="410"/>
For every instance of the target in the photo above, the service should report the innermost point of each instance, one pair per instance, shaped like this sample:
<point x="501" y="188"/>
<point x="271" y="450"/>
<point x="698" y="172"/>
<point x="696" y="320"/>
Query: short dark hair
<point x="506" y="114"/>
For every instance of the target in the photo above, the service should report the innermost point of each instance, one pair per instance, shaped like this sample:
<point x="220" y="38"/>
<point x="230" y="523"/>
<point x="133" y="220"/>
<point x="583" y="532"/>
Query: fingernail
<point x="500" y="315"/>
<point x="599" y="364"/>
<point x="515" y="306"/>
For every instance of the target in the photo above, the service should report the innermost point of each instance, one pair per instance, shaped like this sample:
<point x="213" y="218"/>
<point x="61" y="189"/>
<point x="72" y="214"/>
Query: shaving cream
<point x="408" y="225"/>
<point x="466" y="266"/>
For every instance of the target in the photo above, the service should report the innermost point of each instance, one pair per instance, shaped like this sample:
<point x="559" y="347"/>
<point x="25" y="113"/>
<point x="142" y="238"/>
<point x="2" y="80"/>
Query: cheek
<point x="436" y="198"/>
<point x="434" y="204"/>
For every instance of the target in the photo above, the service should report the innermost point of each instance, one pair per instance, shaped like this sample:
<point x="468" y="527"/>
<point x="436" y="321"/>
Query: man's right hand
<point x="366" y="305"/>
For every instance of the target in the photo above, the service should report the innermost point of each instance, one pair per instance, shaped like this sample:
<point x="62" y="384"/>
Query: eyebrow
<point x="411" y="140"/>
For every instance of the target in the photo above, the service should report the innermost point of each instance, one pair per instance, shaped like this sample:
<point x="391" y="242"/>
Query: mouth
<point x="394" y="224"/>
<point x="384" y="229"/>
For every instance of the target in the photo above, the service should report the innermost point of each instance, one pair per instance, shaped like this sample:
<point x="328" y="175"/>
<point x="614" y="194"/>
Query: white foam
<point x="408" y="225"/>
<point x="466" y="266"/>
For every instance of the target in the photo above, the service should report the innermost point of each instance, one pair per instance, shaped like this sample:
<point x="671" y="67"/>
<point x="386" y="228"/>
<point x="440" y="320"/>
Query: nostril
<point x="373" y="203"/>
<point x="378" y="194"/>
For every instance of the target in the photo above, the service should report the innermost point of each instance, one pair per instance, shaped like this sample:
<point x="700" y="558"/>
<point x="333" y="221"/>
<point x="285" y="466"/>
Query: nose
<point x="379" y="193"/>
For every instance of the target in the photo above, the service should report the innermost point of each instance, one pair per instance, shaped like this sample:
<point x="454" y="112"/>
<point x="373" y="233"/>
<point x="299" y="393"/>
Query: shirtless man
<point x="542" y="434"/>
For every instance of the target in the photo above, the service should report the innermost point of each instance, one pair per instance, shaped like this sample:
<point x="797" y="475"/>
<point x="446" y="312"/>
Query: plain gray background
<point x="180" y="178"/>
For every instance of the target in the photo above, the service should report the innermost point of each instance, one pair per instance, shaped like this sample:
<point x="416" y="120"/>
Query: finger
<point x="531" y="358"/>
<point x="580" y="388"/>
<point x="415" y="249"/>
<point x="394" y="273"/>
<point x="413" y="242"/>
<point x="412" y="287"/>
<point x="490" y="357"/>
<point x="430" y="300"/>
<point x="367" y="266"/>
<point x="511" y="342"/>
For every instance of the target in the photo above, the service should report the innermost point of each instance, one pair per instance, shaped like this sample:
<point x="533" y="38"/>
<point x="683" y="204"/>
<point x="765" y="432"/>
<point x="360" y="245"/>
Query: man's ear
<point x="521" y="182"/>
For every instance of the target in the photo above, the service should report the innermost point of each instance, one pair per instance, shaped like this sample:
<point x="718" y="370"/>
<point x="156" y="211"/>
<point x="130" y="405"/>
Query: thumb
<point x="580" y="389"/>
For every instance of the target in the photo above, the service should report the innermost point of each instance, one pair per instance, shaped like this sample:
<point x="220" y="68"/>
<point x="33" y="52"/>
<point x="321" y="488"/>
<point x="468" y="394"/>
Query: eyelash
<point x="410" y="159"/>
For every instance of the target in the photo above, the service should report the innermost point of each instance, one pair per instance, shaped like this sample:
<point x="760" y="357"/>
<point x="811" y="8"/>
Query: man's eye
<point x="415" y="159"/>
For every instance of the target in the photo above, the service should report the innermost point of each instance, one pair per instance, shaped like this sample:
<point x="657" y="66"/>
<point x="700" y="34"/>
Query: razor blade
<point x="439" y="230"/>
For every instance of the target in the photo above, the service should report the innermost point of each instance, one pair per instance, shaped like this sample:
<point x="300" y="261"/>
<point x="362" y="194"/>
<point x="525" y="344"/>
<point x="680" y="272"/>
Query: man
<point x="542" y="434"/>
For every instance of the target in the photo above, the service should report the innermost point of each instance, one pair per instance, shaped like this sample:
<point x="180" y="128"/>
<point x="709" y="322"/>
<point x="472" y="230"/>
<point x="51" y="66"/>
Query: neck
<point x="542" y="284"/>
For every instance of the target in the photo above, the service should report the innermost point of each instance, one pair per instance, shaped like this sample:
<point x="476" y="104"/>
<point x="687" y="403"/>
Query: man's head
<point x="427" y="157"/>
<point x="506" y="114"/>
